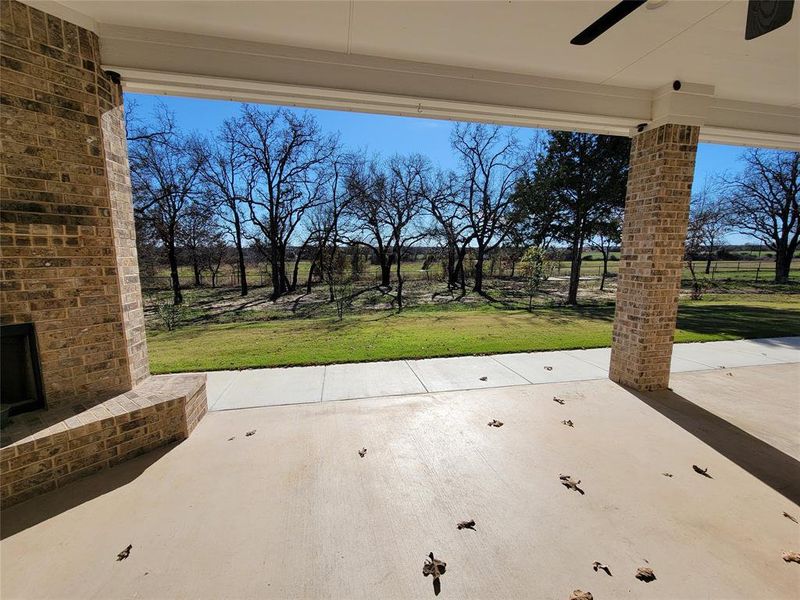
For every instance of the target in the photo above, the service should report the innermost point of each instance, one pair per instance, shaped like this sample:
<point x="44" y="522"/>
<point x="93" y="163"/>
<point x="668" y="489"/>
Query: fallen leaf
<point x="231" y="438"/>
<point x="249" y="433"/>
<point x="667" y="474"/>
<point x="484" y="378"/>
<point x="467" y="524"/>
<point x="433" y="567"/>
<point x="548" y="368"/>
<point x="362" y="453"/>
<point x="645" y="574"/>
<point x="495" y="423"/>
<point x="596" y="565"/>
<point x="568" y="423"/>
<point x="790" y="517"/>
<point x="579" y="595"/>
<point x="559" y="400"/>
<point x="730" y="374"/>
<point x="791" y="557"/>
<point x="125" y="553"/>
<point x="568" y="482"/>
<point x="436" y="568"/>
<point x="703" y="472"/>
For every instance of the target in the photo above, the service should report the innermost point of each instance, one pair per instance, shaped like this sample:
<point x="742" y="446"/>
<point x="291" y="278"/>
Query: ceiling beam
<point x="172" y="63"/>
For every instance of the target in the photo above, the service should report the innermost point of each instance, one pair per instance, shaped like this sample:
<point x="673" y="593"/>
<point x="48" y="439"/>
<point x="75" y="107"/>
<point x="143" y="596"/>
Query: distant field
<point x="449" y="330"/>
<point x="257" y="275"/>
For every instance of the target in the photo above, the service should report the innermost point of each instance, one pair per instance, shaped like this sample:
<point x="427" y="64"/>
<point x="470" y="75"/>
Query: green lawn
<point x="449" y="331"/>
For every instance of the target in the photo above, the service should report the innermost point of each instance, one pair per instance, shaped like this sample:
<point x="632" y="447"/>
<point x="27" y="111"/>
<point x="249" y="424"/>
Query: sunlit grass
<point x="449" y="331"/>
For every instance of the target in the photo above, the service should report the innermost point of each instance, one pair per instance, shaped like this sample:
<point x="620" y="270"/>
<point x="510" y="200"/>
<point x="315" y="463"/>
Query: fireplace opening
<point x="21" y="378"/>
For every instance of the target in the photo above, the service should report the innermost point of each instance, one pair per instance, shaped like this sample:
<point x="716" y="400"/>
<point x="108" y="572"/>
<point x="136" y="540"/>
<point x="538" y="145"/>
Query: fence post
<point x="758" y="271"/>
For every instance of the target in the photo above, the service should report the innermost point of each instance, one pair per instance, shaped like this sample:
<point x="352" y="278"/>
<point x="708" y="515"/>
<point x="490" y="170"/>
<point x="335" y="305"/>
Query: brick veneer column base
<point x="653" y="238"/>
<point x="48" y="449"/>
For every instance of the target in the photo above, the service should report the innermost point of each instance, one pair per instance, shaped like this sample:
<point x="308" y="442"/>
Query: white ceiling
<point x="700" y="41"/>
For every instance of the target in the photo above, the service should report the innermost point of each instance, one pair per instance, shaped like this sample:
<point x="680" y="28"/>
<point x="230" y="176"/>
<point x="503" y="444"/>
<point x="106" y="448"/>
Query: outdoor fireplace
<point x="21" y="382"/>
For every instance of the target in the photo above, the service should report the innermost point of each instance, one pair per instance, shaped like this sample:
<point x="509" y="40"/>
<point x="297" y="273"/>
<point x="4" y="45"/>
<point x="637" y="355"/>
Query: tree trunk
<point x="783" y="262"/>
<point x="708" y="264"/>
<point x="386" y="271"/>
<point x="177" y="296"/>
<point x="399" y="285"/>
<point x="196" y="267"/>
<point x="311" y="273"/>
<point x="478" y="287"/>
<point x="276" y="275"/>
<point x="452" y="275"/>
<point x="240" y="254"/>
<point x="605" y="271"/>
<point x="575" y="271"/>
<point x="295" y="270"/>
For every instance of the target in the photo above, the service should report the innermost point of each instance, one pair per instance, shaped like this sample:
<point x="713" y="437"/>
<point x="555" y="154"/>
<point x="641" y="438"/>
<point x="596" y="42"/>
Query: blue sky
<point x="388" y="135"/>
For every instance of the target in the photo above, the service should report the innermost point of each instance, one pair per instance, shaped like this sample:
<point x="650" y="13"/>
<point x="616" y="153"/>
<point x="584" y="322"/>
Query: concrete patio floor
<point x="293" y="511"/>
<point x="272" y="387"/>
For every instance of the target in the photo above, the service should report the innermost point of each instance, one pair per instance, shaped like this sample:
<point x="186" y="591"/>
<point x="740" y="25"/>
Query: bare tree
<point x="289" y="152"/>
<point x="711" y="222"/>
<point x="164" y="176"/>
<point x="452" y="224"/>
<point x="196" y="229"/>
<point x="491" y="161"/>
<point x="229" y="179"/>
<point x="326" y="221"/>
<point x="608" y="235"/>
<point x="406" y="195"/>
<point x="367" y="187"/>
<point x="763" y="201"/>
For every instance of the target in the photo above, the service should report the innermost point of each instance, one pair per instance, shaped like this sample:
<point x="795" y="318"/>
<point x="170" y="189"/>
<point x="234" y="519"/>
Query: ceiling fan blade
<point x="606" y="22"/>
<point x="764" y="16"/>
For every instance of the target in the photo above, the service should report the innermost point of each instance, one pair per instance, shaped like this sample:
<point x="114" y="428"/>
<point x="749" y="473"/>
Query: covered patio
<point x="292" y="510"/>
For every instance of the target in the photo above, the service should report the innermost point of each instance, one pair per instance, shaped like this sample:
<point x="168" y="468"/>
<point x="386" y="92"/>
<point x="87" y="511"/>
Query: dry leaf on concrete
<point x="579" y="595"/>
<point x="568" y="423"/>
<point x="645" y="574"/>
<point x="467" y="524"/>
<point x="791" y="556"/>
<point x="495" y="423"/>
<point x="249" y="433"/>
<point x="790" y="517"/>
<point x="548" y="368"/>
<point x="433" y="567"/>
<point x="483" y="378"/>
<point x="596" y="565"/>
<point x="667" y="474"/>
<point x="559" y="400"/>
<point x="125" y="553"/>
<point x="568" y="482"/>
<point x="703" y="472"/>
<point x="362" y="453"/>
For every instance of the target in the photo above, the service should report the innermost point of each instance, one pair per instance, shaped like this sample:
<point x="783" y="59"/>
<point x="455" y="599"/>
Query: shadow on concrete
<point x="773" y="467"/>
<point x="20" y="517"/>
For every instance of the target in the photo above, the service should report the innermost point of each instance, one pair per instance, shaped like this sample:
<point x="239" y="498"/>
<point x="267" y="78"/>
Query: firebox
<point x="21" y="384"/>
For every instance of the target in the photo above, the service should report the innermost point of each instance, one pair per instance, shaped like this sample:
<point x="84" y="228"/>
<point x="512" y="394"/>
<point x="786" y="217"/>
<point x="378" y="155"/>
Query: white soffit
<point x="505" y="62"/>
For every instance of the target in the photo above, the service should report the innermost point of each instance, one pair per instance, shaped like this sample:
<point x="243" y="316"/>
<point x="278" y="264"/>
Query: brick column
<point x="68" y="242"/>
<point x="653" y="237"/>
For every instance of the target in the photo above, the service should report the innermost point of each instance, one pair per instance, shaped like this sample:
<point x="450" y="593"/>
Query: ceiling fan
<point x="763" y="16"/>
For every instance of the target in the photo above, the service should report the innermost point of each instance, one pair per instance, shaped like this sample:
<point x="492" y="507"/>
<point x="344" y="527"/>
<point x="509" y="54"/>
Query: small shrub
<point x="170" y="315"/>
<point x="697" y="291"/>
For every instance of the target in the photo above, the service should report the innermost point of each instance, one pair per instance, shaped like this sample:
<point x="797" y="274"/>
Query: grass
<point x="450" y="331"/>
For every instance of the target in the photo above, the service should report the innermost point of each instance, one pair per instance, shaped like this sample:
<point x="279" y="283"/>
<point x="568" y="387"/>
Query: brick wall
<point x="651" y="261"/>
<point x="67" y="239"/>
<point x="45" y="450"/>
